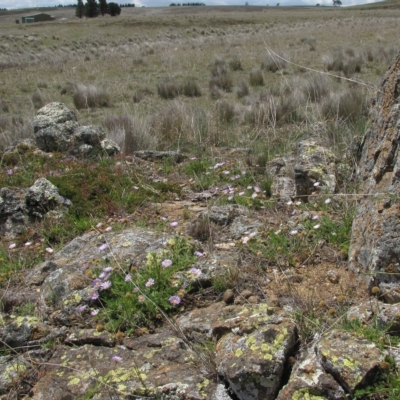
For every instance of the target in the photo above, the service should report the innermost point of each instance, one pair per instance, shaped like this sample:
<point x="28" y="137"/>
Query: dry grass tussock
<point x="250" y="90"/>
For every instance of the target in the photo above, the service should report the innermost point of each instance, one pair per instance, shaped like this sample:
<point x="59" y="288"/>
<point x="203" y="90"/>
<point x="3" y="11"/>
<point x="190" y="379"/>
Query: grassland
<point x="123" y="61"/>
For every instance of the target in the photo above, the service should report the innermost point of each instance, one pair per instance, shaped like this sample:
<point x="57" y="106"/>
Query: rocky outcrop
<point x="56" y="129"/>
<point x="374" y="250"/>
<point x="18" y="206"/>
<point x="312" y="170"/>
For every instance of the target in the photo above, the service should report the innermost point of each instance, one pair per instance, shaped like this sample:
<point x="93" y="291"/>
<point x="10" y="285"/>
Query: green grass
<point x="139" y="302"/>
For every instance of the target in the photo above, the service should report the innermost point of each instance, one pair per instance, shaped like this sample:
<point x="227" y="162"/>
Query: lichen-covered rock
<point x="354" y="362"/>
<point x="11" y="371"/>
<point x="314" y="163"/>
<point x="13" y="219"/>
<point x="56" y="129"/>
<point x="42" y="197"/>
<point x="253" y="363"/>
<point x="374" y="250"/>
<point x="19" y="206"/>
<point x="386" y="316"/>
<point x="80" y="337"/>
<point x="109" y="147"/>
<point x="155" y="366"/>
<point x="22" y="330"/>
<point x="252" y="348"/>
<point x="313" y="169"/>
<point x="280" y="171"/>
<point x="309" y="380"/>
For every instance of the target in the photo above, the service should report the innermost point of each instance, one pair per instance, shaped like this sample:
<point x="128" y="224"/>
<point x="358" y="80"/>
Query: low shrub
<point x="168" y="88"/>
<point x="348" y="105"/>
<point x="38" y="99"/>
<point x="191" y="88"/>
<point x="256" y="77"/>
<point x="131" y="132"/>
<point x="242" y="89"/>
<point x="90" y="97"/>
<point x="273" y="63"/>
<point x="235" y="64"/>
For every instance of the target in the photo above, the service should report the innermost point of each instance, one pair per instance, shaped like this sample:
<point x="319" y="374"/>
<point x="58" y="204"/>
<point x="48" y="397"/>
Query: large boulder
<point x="56" y="129"/>
<point x="374" y="250"/>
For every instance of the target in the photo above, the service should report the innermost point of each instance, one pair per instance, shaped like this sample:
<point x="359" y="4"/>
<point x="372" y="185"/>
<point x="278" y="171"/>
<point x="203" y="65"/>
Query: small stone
<point x="246" y="293"/>
<point x="253" y="300"/>
<point x="333" y="277"/>
<point x="228" y="296"/>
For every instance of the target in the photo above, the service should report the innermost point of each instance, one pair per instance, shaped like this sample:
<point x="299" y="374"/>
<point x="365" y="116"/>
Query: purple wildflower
<point x="128" y="278"/>
<point x="94" y="312"/>
<point x="166" y="263"/>
<point x="105" y="285"/>
<point x="94" y="295"/>
<point x="81" y="308"/>
<point x="195" y="271"/>
<point x="135" y="289"/>
<point x="103" y="246"/>
<point x="175" y="300"/>
<point x="116" y="359"/>
<point x="12" y="246"/>
<point x="108" y="269"/>
<point x="96" y="283"/>
<point x="173" y="224"/>
<point x="150" y="282"/>
<point x="198" y="254"/>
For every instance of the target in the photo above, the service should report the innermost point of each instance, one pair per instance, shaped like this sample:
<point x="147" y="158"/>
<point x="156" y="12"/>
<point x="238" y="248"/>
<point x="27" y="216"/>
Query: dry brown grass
<point x="140" y="47"/>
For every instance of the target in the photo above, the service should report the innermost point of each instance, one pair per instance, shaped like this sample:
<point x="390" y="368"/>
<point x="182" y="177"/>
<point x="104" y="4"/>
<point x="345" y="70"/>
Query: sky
<point x="161" y="3"/>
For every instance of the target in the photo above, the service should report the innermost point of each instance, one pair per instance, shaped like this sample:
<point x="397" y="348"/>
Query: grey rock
<point x="11" y="370"/>
<point x="22" y="330"/>
<point x="295" y="177"/>
<point x="43" y="196"/>
<point x="374" y="251"/>
<point x="159" y="155"/>
<point x="281" y="171"/>
<point x="351" y="360"/>
<point x="314" y="163"/>
<point x="110" y="147"/>
<point x="253" y="364"/>
<point x="309" y="379"/>
<point x="56" y="129"/>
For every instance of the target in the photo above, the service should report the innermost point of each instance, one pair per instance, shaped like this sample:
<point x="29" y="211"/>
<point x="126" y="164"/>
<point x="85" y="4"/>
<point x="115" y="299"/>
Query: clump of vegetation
<point x="139" y="296"/>
<point x="90" y="97"/>
<point x="256" y="78"/>
<point x="220" y="77"/>
<point x="191" y="88"/>
<point x="168" y="88"/>
<point x="273" y="63"/>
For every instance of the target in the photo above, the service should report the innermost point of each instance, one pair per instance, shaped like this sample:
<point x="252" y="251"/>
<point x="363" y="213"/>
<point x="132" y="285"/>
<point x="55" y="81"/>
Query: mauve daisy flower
<point x="150" y="282"/>
<point x="116" y="359"/>
<point x="175" y="300"/>
<point x="105" y="285"/>
<point x="166" y="263"/>
<point x="94" y="295"/>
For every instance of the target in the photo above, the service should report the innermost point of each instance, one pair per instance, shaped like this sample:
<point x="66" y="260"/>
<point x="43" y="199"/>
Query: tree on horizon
<point x="114" y="9"/>
<point x="91" y="9"/>
<point x="80" y="9"/>
<point x="103" y="7"/>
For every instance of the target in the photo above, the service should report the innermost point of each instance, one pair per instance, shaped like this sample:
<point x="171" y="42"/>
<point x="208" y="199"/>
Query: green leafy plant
<point x="140" y="296"/>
